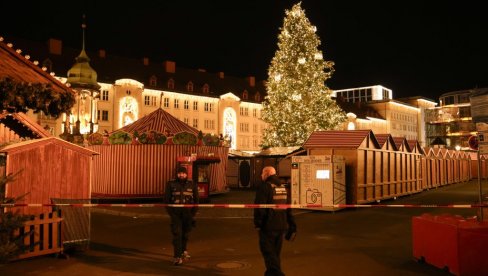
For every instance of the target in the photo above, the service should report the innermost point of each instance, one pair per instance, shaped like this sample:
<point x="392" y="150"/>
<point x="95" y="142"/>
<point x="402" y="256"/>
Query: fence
<point x="44" y="235"/>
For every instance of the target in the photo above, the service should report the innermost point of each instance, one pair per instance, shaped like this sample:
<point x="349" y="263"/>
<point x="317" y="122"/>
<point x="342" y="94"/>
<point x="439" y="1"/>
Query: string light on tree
<point x="298" y="102"/>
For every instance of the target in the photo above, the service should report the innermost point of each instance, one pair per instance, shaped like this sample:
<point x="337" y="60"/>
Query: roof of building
<point x="159" y="121"/>
<point x="399" y="141"/>
<point x="339" y="138"/>
<point x="110" y="68"/>
<point x="382" y="138"/>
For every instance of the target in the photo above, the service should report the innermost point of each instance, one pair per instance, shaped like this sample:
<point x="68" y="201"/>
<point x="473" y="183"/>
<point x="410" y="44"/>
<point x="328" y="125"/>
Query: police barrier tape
<point x="275" y="206"/>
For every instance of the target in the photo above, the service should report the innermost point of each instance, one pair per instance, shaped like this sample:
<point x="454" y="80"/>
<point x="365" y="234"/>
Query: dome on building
<point x="82" y="75"/>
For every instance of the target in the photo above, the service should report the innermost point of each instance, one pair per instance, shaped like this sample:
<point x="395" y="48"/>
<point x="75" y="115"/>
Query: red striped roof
<point x="413" y="144"/>
<point x="339" y="138"/>
<point x="382" y="138"/>
<point x="399" y="141"/>
<point x="160" y="121"/>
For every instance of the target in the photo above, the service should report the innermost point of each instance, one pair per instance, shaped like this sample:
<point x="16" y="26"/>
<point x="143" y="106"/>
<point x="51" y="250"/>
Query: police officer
<point x="181" y="191"/>
<point x="272" y="224"/>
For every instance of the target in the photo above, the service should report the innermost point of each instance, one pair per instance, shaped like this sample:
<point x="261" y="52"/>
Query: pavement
<point x="353" y="241"/>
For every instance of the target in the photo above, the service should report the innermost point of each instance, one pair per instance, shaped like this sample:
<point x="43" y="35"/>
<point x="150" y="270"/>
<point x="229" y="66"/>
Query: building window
<point x="257" y="97"/>
<point x="186" y="120"/>
<point x="127" y="92"/>
<point x="171" y="84"/>
<point x="104" y="95"/>
<point x="104" y="115"/>
<point x="150" y="100"/>
<point x="186" y="104"/>
<point x="189" y="86"/>
<point x="254" y="112"/>
<point x="245" y="95"/>
<point x="195" y="105"/>
<point x="195" y="123"/>
<point x="48" y="64"/>
<point x="208" y="107"/>
<point x="153" y="81"/>
<point x="244" y="111"/>
<point x="244" y="127"/>
<point x="176" y="103"/>
<point x="166" y="102"/>
<point x="205" y="89"/>
<point x="209" y="124"/>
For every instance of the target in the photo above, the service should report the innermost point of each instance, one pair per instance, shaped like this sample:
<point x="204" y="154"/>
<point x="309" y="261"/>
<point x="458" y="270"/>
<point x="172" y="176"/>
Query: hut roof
<point x="23" y="126"/>
<point x="399" y="141"/>
<point x="160" y="121"/>
<point x="48" y="140"/>
<point x="17" y="67"/>
<point x="339" y="138"/>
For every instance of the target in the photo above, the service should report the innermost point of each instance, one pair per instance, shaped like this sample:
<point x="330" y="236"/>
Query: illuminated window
<point x="208" y="107"/>
<point x="104" y="95"/>
<point x="104" y="115"/>
<point x="209" y="124"/>
<point x="149" y="100"/>
<point x="244" y="111"/>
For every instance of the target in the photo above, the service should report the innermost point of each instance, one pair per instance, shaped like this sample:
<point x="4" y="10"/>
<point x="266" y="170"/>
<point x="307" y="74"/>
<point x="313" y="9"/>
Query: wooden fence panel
<point x="44" y="235"/>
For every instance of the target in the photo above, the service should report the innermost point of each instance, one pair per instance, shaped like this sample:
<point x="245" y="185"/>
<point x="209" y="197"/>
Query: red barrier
<point x="452" y="242"/>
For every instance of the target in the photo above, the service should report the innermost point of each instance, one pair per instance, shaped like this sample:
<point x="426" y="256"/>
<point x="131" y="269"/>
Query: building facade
<point x="451" y="123"/>
<point x="129" y="89"/>
<point x="400" y="118"/>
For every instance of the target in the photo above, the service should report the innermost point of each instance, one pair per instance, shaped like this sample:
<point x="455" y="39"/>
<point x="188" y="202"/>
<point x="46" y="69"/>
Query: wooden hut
<point x="373" y="172"/>
<point x="49" y="168"/>
<point x="141" y="170"/>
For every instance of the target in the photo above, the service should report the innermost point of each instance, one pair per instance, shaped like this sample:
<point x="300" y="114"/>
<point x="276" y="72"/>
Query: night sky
<point x="416" y="48"/>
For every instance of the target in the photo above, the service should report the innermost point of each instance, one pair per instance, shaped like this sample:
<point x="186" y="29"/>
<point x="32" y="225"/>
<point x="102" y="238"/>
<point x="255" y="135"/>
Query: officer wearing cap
<point x="181" y="191"/>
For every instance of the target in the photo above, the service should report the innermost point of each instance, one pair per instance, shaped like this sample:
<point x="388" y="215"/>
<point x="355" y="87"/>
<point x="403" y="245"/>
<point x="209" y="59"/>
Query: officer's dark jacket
<point x="177" y="192"/>
<point x="268" y="218"/>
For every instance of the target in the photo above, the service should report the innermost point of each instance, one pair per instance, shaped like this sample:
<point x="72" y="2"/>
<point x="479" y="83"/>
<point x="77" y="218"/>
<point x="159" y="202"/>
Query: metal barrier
<point x="76" y="233"/>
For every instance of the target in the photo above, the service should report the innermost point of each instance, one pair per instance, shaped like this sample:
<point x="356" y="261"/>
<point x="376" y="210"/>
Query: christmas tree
<point x="298" y="102"/>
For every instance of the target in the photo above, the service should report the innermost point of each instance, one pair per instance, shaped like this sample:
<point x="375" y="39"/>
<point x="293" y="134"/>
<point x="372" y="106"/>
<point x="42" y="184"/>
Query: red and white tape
<point x="252" y="206"/>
